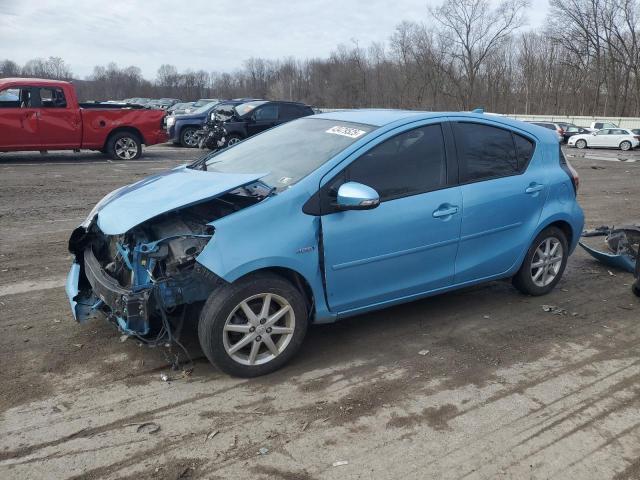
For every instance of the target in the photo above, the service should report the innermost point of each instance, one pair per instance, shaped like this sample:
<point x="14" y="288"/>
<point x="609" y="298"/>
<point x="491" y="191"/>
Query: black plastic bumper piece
<point x="129" y="306"/>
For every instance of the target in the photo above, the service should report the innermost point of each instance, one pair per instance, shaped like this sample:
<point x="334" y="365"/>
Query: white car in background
<point x="606" y="138"/>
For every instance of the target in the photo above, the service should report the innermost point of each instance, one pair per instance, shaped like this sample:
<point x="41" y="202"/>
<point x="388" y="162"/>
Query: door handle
<point x="445" y="210"/>
<point x="534" y="188"/>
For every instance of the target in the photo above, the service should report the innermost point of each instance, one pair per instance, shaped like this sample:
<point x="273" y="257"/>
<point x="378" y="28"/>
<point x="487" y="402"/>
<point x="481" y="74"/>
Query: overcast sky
<point x="214" y="35"/>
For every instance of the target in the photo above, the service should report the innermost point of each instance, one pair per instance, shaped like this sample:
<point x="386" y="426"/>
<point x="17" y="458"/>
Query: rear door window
<point x="52" y="98"/>
<point x="267" y="113"/>
<point x="290" y="112"/>
<point x="487" y="152"/>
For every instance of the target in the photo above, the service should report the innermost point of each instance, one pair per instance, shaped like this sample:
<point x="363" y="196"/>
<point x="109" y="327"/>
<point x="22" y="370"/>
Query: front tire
<point x="188" y="137"/>
<point x="124" y="146"/>
<point x="581" y="144"/>
<point x="253" y="326"/>
<point x="232" y="140"/>
<point x="544" y="263"/>
<point x="625" y="146"/>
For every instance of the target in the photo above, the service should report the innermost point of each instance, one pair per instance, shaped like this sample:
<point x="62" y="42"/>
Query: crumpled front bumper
<point x="71" y="287"/>
<point x="92" y="292"/>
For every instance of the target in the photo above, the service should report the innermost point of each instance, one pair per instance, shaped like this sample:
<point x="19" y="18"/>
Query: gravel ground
<point x="506" y="389"/>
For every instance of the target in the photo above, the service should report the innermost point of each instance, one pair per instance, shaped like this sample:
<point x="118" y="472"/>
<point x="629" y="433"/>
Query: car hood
<point x="190" y="116"/>
<point x="134" y="204"/>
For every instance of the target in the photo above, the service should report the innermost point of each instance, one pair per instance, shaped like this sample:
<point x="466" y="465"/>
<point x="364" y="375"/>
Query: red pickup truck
<point x="45" y="115"/>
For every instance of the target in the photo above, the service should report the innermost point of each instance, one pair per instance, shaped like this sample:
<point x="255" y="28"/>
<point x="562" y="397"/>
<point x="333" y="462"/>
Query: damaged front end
<point x="144" y="279"/>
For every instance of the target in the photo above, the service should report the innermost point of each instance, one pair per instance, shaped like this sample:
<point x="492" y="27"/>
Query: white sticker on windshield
<point x="346" y="131"/>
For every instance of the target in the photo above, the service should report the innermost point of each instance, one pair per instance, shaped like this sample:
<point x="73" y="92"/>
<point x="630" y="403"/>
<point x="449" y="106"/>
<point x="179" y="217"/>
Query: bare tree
<point x="471" y="31"/>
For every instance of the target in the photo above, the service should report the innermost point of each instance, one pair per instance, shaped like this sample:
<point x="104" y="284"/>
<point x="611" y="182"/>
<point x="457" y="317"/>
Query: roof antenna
<point x="478" y="110"/>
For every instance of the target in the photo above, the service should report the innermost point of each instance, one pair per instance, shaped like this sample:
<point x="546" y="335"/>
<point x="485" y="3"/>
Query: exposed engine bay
<point x="143" y="280"/>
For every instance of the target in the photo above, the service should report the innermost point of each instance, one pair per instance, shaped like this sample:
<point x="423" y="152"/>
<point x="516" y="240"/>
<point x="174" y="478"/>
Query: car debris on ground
<point x="554" y="310"/>
<point x="622" y="242"/>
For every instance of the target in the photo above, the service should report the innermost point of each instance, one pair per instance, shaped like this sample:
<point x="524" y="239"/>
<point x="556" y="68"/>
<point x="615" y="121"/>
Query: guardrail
<point x="583" y="121"/>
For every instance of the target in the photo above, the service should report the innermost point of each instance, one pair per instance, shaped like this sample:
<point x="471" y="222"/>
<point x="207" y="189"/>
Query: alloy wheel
<point x="190" y="138"/>
<point x="625" y="146"/>
<point x="126" y="148"/>
<point x="259" y="329"/>
<point x="546" y="261"/>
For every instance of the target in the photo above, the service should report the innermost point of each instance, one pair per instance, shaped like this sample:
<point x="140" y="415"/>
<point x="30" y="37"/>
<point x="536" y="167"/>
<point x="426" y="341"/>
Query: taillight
<point x="637" y="137"/>
<point x="575" y="178"/>
<point x="569" y="170"/>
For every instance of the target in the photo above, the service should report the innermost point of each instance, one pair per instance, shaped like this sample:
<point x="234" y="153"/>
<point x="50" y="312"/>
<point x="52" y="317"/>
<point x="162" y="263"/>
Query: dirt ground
<point x="506" y="390"/>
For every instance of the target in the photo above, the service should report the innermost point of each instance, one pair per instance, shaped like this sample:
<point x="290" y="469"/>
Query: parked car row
<point x="599" y="134"/>
<point x="221" y="123"/>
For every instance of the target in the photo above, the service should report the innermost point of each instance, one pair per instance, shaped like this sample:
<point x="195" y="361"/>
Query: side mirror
<point x="356" y="196"/>
<point x="594" y="133"/>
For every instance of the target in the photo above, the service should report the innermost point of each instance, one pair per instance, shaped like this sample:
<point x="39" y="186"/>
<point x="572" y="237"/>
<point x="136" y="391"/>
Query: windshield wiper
<point x="201" y="162"/>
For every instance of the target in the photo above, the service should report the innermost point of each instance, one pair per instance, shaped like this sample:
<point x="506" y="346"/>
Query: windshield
<point x="204" y="101"/>
<point x="203" y="108"/>
<point x="222" y="113"/>
<point x="289" y="152"/>
<point x="247" y="107"/>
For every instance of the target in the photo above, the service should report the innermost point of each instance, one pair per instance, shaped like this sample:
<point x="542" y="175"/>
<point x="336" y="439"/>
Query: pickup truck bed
<point x="45" y="115"/>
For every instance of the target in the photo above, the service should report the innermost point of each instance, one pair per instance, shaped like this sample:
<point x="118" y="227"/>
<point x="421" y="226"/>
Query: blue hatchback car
<point x="322" y="218"/>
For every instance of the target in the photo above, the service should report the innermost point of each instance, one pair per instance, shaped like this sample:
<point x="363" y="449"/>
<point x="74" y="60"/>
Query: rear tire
<point x="544" y="263"/>
<point x="188" y="138"/>
<point x="225" y="325"/>
<point x="625" y="146"/>
<point x="124" y="146"/>
<point x="581" y="144"/>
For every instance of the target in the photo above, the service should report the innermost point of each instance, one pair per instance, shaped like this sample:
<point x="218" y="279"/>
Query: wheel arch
<point x="296" y="278"/>
<point x="128" y="129"/>
<point x="572" y="233"/>
<point x="187" y="125"/>
<point x="565" y="227"/>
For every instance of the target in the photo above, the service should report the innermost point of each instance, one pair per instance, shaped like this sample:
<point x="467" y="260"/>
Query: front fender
<point x="272" y="234"/>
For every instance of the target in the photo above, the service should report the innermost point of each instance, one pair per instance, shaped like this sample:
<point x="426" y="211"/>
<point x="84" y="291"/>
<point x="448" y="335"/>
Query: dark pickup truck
<point x="45" y="115"/>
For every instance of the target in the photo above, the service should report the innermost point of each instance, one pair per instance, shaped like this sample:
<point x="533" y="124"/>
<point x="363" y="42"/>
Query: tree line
<point x="468" y="53"/>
